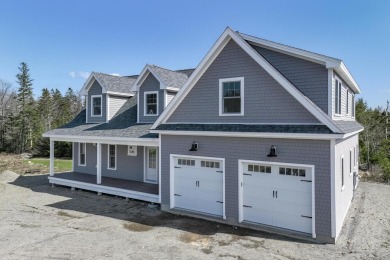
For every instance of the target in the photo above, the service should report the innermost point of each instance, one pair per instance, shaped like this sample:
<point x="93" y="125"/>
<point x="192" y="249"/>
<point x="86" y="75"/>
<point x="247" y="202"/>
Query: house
<point x="260" y="135"/>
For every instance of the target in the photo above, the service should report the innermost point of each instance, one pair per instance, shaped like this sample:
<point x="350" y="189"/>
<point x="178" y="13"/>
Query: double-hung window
<point x="151" y="103"/>
<point x="337" y="100"/>
<point x="96" y="105"/>
<point x="231" y="96"/>
<point x="82" y="154"/>
<point x="111" y="157"/>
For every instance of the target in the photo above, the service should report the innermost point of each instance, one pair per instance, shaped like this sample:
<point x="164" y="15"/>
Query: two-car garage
<point x="273" y="194"/>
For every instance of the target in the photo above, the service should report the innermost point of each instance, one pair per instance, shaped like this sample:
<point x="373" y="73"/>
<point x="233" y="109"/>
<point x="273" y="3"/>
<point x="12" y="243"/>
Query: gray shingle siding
<point x="115" y="103"/>
<point x="90" y="165"/>
<point x="265" y="100"/>
<point x="96" y="89"/>
<point x="150" y="84"/>
<point x="308" y="77"/>
<point x="313" y="152"/>
<point x="127" y="168"/>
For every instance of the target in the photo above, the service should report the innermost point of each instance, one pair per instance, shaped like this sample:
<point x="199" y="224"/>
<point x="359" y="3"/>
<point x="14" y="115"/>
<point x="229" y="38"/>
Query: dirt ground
<point x="41" y="222"/>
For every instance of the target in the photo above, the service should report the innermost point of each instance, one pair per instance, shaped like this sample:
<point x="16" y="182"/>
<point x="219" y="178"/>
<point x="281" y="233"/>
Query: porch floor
<point x="110" y="182"/>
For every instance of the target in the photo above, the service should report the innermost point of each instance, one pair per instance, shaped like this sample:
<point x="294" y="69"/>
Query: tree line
<point x="24" y="118"/>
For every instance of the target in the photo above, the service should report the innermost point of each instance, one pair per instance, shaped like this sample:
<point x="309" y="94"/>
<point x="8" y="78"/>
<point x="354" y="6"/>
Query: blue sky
<point x="62" y="41"/>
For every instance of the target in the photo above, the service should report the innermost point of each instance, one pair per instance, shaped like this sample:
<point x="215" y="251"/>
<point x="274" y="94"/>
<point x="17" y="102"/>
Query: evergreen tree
<point x="26" y="107"/>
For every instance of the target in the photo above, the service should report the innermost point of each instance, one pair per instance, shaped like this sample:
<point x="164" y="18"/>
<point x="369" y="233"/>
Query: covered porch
<point x="119" y="187"/>
<point x="112" y="171"/>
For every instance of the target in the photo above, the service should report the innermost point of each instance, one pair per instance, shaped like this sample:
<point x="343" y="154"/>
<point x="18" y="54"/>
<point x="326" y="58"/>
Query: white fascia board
<point x="105" y="140"/>
<point x="352" y="134"/>
<point x="200" y="69"/>
<point x="251" y="134"/>
<point x="211" y="55"/>
<point x="88" y="84"/>
<point x="144" y="74"/>
<point x="120" y="94"/>
<point x="329" y="62"/>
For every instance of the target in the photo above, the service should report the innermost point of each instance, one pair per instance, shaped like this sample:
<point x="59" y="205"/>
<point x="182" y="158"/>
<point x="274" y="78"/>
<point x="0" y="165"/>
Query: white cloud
<point x="80" y="74"/>
<point x="115" y="74"/>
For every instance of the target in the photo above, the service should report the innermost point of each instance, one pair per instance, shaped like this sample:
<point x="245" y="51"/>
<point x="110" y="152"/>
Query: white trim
<point x="113" y="93"/>
<point x="333" y="186"/>
<point x="101" y="105"/>
<point x="347" y="110"/>
<point x="138" y="112"/>
<point x="172" y="183"/>
<point x="108" y="157"/>
<point x="216" y="49"/>
<point x="86" y="109"/>
<point x="240" y="188"/>
<point x="89" y="82"/>
<point x="99" y="163"/>
<point x="51" y="169"/>
<point x="329" y="62"/>
<point x="242" y="96"/>
<point x="146" y="162"/>
<point x="145" y="104"/>
<point x="103" y="139"/>
<point x="159" y="169"/>
<point x="342" y="164"/>
<point x="252" y="134"/>
<point x="72" y="156"/>
<point x="352" y="134"/>
<point x="330" y="92"/>
<point x="106" y="189"/>
<point x="85" y="154"/>
<point x="165" y="98"/>
<point x="229" y="123"/>
<point x="144" y="74"/>
<point x="107" y="108"/>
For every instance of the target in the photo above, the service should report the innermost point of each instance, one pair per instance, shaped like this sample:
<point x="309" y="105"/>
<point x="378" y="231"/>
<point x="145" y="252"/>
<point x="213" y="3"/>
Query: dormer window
<point x="151" y="103"/>
<point x="96" y="105"/>
<point x="231" y="97"/>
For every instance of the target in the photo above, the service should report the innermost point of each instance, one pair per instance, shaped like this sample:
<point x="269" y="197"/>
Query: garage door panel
<point x="299" y="223"/>
<point x="297" y="209"/>
<point x="258" y="215"/>
<point x="293" y="199"/>
<point x="201" y="205"/>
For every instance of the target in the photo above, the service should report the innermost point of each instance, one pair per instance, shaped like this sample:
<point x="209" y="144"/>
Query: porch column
<point x="99" y="163"/>
<point x="51" y="169"/>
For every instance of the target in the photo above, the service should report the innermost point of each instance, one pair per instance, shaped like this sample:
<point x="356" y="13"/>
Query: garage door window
<point x="186" y="162"/>
<point x="209" y="164"/>
<point x="259" y="168"/>
<point x="292" y="171"/>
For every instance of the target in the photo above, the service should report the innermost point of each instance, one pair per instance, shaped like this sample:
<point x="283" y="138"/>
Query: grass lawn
<point x="60" y="165"/>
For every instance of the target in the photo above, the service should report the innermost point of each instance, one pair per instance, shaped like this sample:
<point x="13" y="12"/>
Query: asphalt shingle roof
<point x="173" y="79"/>
<point x="115" y="83"/>
<point x="123" y="124"/>
<point x="314" y="129"/>
<point x="348" y="126"/>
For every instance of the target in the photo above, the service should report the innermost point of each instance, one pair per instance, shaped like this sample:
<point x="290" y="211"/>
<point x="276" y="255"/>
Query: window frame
<point x="242" y="96"/>
<point x="146" y="93"/>
<point x="337" y="93"/>
<point x="108" y="157"/>
<point x="85" y="154"/>
<point x="101" y="105"/>
<point x="347" y="111"/>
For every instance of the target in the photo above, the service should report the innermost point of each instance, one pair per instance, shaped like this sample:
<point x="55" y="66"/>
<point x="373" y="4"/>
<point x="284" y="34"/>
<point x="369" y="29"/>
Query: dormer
<point x="105" y="95"/>
<point x="156" y="87"/>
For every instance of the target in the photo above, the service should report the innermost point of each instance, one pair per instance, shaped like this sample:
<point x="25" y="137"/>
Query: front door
<point x="151" y="164"/>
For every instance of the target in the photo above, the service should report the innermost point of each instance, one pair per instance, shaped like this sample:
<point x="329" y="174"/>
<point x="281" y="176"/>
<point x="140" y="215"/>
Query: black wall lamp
<point x="272" y="152"/>
<point x="194" y="147"/>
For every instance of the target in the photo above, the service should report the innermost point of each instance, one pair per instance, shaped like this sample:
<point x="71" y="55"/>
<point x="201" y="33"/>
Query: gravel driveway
<point x="41" y="222"/>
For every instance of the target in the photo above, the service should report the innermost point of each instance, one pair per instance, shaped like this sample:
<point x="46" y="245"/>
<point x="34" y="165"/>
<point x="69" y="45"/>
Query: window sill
<point x="82" y="165"/>
<point x="96" y="115"/>
<point x="231" y="114"/>
<point x="112" y="169"/>
<point x="151" y="115"/>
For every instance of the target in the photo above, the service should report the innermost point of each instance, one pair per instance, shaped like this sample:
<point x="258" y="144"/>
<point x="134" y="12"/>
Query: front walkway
<point x="125" y="188"/>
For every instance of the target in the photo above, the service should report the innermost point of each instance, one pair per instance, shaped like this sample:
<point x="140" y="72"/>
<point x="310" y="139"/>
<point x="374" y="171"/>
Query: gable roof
<point x="226" y="36"/>
<point x="115" y="85"/>
<point x="169" y="79"/>
<point x="329" y="62"/>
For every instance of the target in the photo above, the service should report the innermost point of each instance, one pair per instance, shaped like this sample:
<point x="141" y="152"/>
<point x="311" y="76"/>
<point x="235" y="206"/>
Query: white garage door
<point x="198" y="184"/>
<point x="277" y="195"/>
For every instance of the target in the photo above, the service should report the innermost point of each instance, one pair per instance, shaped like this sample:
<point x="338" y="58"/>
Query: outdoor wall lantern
<point x="272" y="152"/>
<point x="194" y="147"/>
